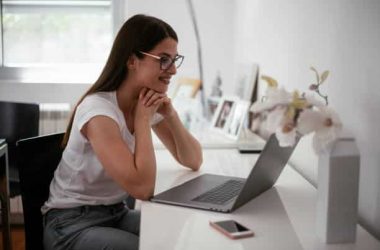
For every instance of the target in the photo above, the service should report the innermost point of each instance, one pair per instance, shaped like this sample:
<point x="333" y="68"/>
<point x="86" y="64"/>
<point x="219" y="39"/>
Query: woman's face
<point x="149" y="73"/>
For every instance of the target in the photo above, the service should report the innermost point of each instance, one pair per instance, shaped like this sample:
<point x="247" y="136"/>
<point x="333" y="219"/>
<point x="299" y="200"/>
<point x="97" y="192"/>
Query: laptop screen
<point x="266" y="171"/>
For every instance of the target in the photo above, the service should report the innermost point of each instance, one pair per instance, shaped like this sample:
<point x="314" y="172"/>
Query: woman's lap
<point x="105" y="238"/>
<point x="92" y="227"/>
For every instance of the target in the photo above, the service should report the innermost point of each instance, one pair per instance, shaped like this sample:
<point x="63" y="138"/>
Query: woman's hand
<point x="156" y="102"/>
<point x="148" y="103"/>
<point x="166" y="108"/>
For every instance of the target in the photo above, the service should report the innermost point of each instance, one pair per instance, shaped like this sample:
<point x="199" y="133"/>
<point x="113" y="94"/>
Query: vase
<point x="338" y="186"/>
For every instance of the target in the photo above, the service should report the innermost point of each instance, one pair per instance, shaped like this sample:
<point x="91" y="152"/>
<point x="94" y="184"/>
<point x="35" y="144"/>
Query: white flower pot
<point x="338" y="186"/>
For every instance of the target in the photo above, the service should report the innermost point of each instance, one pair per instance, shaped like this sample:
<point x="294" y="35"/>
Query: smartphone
<point x="232" y="229"/>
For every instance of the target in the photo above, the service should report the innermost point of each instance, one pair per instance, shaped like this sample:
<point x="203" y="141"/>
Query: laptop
<point x="225" y="193"/>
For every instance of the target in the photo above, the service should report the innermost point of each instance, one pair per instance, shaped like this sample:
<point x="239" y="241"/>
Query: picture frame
<point x="229" y="116"/>
<point x="186" y="87"/>
<point x="246" y="81"/>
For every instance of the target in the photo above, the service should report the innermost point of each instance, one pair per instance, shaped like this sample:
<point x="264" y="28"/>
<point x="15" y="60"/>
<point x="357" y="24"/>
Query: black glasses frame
<point x="178" y="58"/>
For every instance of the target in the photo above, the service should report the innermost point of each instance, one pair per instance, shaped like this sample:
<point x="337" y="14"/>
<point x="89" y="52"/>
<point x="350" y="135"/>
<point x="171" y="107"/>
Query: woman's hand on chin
<point x="166" y="108"/>
<point x="162" y="102"/>
<point x="149" y="101"/>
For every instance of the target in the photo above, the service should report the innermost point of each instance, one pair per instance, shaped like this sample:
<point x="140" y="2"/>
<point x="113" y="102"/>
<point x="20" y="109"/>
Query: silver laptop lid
<point x="266" y="171"/>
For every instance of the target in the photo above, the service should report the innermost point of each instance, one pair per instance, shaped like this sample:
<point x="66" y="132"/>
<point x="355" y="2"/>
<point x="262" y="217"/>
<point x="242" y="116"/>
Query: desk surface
<point x="212" y="139"/>
<point x="281" y="218"/>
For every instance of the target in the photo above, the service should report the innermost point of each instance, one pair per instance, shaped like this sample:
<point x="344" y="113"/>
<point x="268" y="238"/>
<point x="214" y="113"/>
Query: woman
<point x="108" y="144"/>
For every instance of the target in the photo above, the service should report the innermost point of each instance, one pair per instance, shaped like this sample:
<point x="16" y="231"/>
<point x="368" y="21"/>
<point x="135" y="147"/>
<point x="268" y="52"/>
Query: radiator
<point x="53" y="119"/>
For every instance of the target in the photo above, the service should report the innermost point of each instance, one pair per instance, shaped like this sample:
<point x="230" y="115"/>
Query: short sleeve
<point x="93" y="106"/>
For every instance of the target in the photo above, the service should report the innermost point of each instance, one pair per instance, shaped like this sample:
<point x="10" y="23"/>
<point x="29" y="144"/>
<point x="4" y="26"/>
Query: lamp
<point x="199" y="50"/>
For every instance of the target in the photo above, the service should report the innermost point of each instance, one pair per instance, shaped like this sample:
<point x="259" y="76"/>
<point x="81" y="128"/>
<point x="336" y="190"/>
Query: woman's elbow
<point x="143" y="195"/>
<point x="196" y="164"/>
<point x="141" y="191"/>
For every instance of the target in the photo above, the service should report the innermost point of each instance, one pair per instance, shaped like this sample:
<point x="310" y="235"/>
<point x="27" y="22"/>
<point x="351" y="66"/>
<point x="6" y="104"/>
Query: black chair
<point x="37" y="159"/>
<point x="17" y="121"/>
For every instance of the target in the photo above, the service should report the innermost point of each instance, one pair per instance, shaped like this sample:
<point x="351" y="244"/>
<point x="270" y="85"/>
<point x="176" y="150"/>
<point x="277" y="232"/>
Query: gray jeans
<point x="92" y="227"/>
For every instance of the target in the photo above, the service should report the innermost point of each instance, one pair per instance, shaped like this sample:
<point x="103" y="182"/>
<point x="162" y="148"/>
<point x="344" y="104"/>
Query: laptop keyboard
<point x="221" y="194"/>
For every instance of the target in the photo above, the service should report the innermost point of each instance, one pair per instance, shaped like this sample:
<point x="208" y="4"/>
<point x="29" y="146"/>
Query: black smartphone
<point x="232" y="229"/>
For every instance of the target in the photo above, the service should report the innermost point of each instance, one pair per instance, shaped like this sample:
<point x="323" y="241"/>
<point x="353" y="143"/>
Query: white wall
<point x="215" y="24"/>
<point x="343" y="36"/>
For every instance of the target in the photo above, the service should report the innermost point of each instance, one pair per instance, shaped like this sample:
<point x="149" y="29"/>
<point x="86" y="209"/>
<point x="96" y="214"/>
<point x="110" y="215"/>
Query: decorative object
<point x="216" y="88"/>
<point x="229" y="116"/>
<point x="291" y="114"/>
<point x="183" y="98"/>
<point x="246" y="79"/>
<point x="287" y="114"/>
<point x="186" y="88"/>
<point x="338" y="186"/>
<point x="216" y="94"/>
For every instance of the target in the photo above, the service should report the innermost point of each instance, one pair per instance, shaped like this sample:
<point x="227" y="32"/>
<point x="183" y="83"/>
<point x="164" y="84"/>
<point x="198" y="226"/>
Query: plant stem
<point x="323" y="96"/>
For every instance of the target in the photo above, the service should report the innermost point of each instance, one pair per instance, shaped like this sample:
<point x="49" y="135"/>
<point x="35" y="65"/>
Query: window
<point x="55" y="41"/>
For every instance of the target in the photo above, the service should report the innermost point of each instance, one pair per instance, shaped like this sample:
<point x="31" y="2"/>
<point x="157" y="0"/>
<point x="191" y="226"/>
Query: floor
<point x="18" y="239"/>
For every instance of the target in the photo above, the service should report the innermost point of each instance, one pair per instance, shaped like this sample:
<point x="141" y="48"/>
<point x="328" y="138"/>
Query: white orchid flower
<point x="275" y="118"/>
<point x="280" y="96"/>
<point x="286" y="138"/>
<point x="310" y="121"/>
<point x="326" y="124"/>
<point x="314" y="101"/>
<point x="274" y="97"/>
<point x="289" y="114"/>
<point x="256" y="123"/>
<point x="330" y="130"/>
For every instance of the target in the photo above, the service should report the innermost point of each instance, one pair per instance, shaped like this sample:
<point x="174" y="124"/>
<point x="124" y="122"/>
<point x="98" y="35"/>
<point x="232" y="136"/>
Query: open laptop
<point x="225" y="193"/>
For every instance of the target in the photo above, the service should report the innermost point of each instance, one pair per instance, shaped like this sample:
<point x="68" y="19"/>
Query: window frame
<point x="17" y="74"/>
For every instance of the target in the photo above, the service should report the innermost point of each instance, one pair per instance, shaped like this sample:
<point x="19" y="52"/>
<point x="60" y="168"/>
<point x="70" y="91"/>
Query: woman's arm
<point x="136" y="173"/>
<point x="106" y="140"/>
<point x="182" y="145"/>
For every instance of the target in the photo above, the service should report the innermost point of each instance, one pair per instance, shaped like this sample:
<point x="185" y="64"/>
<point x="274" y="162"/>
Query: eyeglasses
<point x="166" y="61"/>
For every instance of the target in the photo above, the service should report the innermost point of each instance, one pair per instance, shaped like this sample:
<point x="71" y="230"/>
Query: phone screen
<point x="231" y="226"/>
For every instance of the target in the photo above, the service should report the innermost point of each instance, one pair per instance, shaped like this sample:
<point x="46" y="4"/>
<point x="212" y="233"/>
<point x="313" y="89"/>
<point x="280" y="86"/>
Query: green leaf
<point x="271" y="82"/>
<point x="316" y="73"/>
<point x="324" y="76"/>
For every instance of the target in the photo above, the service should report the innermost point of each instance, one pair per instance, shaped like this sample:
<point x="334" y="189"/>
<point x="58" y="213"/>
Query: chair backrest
<point x="37" y="159"/>
<point x="17" y="121"/>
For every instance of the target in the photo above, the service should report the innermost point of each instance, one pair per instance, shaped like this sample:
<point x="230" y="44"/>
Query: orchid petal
<point x="279" y="96"/>
<point x="312" y="100"/>
<point x="255" y="124"/>
<point x="309" y="121"/>
<point x="275" y="97"/>
<point x="275" y="119"/>
<point x="286" y="139"/>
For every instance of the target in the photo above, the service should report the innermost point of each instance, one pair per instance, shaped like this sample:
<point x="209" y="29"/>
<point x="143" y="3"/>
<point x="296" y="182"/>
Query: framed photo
<point x="246" y="81"/>
<point x="229" y="116"/>
<point x="186" y="87"/>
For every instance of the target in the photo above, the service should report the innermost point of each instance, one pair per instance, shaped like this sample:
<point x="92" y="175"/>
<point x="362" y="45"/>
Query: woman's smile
<point x="165" y="79"/>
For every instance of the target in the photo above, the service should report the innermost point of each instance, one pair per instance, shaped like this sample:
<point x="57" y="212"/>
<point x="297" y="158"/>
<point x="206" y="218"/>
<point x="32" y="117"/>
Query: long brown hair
<point x="138" y="33"/>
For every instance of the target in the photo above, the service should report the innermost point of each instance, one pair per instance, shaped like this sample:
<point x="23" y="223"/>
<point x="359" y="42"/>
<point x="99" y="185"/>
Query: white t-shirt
<point x="80" y="178"/>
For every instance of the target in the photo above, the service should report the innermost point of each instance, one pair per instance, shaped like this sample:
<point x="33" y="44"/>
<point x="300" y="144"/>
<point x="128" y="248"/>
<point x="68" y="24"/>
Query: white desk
<point x="281" y="218"/>
<point x="211" y="139"/>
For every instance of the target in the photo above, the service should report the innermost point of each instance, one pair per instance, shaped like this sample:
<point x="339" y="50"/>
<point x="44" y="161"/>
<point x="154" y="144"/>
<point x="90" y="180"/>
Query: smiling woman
<point x="51" y="38"/>
<point x="108" y="144"/>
